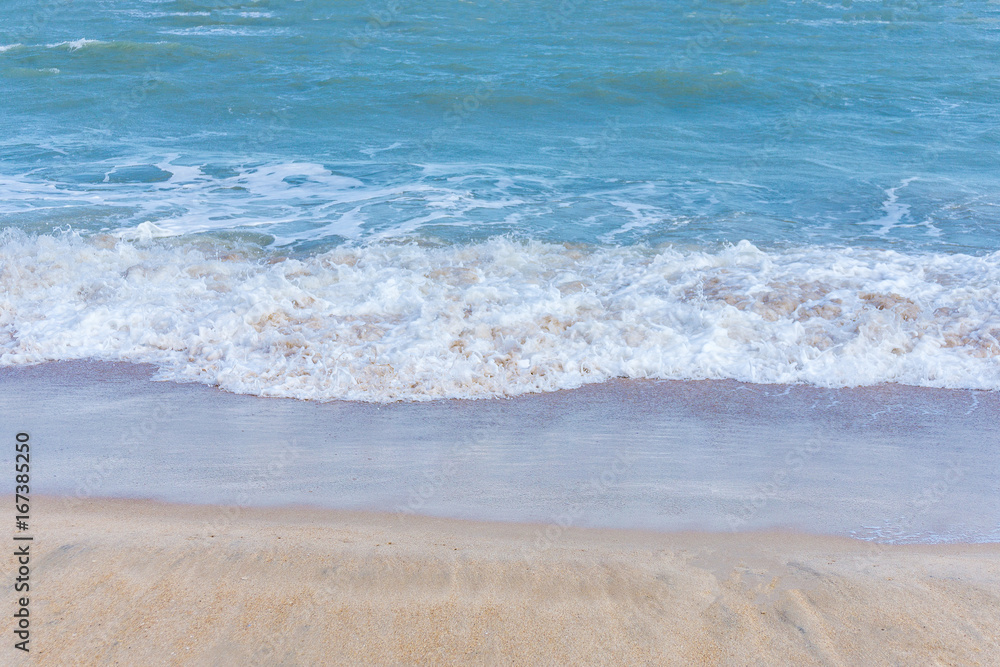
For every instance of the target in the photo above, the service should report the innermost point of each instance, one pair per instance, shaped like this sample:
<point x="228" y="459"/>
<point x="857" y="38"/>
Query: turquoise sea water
<point x="412" y="200"/>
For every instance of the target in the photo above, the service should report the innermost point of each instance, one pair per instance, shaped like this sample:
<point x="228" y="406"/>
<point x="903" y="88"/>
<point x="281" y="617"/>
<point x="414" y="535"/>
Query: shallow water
<point x="891" y="464"/>
<point x="768" y="192"/>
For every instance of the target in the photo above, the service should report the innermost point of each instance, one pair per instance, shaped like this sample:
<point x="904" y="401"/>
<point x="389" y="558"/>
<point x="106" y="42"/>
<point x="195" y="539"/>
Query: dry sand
<point x="142" y="583"/>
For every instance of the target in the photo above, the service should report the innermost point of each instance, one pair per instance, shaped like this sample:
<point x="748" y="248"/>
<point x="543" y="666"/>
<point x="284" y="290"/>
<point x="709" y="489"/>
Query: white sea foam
<point x="894" y="211"/>
<point x="385" y="322"/>
<point x="292" y="201"/>
<point x="75" y="45"/>
<point x="233" y="32"/>
<point x="7" y="47"/>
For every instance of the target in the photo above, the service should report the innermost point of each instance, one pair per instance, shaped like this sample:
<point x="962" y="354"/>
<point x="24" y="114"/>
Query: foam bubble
<point x="385" y="322"/>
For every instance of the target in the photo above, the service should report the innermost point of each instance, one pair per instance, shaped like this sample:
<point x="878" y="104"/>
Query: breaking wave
<point x="406" y="321"/>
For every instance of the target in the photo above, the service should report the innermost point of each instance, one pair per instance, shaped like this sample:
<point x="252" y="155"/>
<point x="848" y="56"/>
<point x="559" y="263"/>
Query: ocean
<point x="399" y="201"/>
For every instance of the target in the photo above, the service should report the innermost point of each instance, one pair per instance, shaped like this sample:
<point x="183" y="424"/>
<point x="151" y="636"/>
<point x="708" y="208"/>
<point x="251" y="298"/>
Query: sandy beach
<point x="628" y="523"/>
<point x="143" y="583"/>
<point x="498" y="333"/>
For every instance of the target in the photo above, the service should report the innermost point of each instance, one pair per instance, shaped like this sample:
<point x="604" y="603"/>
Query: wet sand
<point x="892" y="463"/>
<point x="141" y="583"/>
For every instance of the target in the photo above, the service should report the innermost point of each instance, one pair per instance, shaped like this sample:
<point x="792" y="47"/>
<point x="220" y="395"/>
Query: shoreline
<point x="142" y="582"/>
<point x="890" y="463"/>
